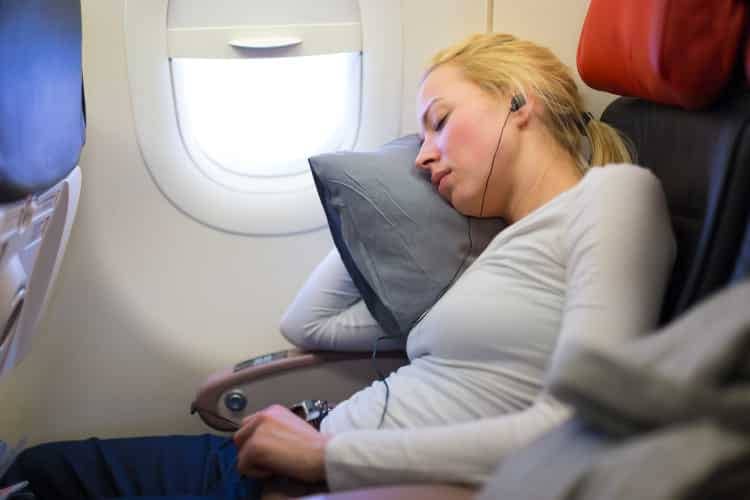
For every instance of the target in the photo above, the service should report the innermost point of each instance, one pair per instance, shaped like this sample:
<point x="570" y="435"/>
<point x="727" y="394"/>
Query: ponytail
<point x="608" y="145"/>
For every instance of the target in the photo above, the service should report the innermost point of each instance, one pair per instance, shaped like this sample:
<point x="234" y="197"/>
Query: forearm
<point x="466" y="453"/>
<point x="329" y="314"/>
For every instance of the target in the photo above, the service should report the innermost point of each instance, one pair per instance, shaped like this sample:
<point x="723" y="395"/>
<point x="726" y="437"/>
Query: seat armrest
<point x="431" y="491"/>
<point x="434" y="491"/>
<point x="286" y="377"/>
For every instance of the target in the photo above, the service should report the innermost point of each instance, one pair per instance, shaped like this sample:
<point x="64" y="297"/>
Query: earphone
<point x="517" y="102"/>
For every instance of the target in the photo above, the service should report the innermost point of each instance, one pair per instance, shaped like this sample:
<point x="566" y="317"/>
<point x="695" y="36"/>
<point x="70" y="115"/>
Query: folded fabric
<point x="666" y="377"/>
<point x="700" y="459"/>
<point x="661" y="417"/>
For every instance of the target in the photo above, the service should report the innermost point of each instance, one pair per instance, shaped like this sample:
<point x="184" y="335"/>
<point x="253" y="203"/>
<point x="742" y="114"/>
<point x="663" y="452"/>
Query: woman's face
<point x="460" y="125"/>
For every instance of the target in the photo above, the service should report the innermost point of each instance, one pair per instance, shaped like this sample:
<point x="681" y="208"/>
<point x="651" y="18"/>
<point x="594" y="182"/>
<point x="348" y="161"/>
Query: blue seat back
<point x="42" y="122"/>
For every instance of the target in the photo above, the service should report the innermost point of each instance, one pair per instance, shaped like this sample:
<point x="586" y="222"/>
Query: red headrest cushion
<point x="679" y="52"/>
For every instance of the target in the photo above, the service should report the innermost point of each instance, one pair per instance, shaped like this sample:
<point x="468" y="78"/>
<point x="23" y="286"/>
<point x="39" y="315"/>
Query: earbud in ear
<point x="517" y="102"/>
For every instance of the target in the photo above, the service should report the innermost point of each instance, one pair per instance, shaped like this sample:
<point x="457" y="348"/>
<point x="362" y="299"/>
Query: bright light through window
<point x="265" y="117"/>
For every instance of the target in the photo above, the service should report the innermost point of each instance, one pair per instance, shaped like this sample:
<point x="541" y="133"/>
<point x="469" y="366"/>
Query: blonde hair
<point x="501" y="63"/>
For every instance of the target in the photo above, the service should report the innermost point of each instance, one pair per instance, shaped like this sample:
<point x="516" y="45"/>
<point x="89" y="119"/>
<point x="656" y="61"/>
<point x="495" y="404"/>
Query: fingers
<point x="248" y="453"/>
<point x="248" y="456"/>
<point x="255" y="472"/>
<point x="247" y="429"/>
<point x="251" y="423"/>
<point x="275" y="440"/>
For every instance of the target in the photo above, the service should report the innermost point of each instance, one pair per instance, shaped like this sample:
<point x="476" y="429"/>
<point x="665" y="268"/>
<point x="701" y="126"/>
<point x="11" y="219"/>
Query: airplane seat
<point x="42" y="130"/>
<point x="704" y="167"/>
<point x="687" y="117"/>
<point x="681" y="69"/>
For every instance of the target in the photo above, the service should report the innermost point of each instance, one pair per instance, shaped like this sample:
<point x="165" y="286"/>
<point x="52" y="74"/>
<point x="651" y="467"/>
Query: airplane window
<point x="231" y="97"/>
<point x="245" y="121"/>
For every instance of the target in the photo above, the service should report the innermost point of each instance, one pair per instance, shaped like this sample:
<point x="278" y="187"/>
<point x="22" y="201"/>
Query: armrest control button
<point x="235" y="401"/>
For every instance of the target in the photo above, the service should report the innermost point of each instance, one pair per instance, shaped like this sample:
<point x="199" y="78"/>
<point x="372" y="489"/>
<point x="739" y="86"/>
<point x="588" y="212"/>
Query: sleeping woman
<point x="584" y="260"/>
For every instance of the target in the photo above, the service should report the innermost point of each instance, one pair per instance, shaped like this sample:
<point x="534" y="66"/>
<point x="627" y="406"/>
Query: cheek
<point x="458" y="140"/>
<point x="464" y="145"/>
<point x="467" y="149"/>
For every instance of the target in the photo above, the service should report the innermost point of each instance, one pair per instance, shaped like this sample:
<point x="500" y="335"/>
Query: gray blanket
<point x="662" y="417"/>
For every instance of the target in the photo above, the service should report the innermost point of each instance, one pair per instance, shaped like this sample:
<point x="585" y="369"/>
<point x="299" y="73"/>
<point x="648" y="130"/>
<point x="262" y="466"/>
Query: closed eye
<point x="439" y="125"/>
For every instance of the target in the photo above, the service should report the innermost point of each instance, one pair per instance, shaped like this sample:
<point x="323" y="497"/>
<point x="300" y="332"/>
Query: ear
<point x="522" y="115"/>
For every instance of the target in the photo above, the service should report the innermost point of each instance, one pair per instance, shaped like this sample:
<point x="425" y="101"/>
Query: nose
<point x="428" y="154"/>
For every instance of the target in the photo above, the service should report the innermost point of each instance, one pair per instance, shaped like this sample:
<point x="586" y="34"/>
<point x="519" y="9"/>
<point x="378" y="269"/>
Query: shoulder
<point x="623" y="178"/>
<point x="611" y="189"/>
<point x="617" y="201"/>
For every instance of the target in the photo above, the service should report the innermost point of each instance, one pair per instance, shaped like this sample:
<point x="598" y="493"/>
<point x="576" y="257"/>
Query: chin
<point x="464" y="202"/>
<point x="465" y="208"/>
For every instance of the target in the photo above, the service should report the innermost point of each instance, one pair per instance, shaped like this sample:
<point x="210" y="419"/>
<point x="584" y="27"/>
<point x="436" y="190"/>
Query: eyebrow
<point x="423" y="118"/>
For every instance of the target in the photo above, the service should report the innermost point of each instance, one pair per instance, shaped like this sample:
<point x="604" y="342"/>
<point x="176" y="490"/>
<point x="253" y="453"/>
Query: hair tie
<point x="586" y="148"/>
<point x="586" y="151"/>
<point x="581" y="121"/>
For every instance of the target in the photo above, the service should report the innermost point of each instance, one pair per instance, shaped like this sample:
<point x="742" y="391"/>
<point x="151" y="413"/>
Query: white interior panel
<point x="192" y="13"/>
<point x="429" y="27"/>
<point x="382" y="72"/>
<point x="34" y="239"/>
<point x="556" y="25"/>
<point x="288" y="40"/>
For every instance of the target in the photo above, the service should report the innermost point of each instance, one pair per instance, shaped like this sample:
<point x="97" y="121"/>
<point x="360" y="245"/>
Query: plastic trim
<point x="213" y="204"/>
<point x="266" y="41"/>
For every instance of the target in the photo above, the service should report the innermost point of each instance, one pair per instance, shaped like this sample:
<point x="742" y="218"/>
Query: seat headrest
<point x="677" y="52"/>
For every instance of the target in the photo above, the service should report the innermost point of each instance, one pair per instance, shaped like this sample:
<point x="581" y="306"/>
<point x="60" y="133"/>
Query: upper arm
<point x="620" y="250"/>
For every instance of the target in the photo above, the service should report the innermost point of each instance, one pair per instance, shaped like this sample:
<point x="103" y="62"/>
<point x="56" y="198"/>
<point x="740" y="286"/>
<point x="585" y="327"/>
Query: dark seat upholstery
<point x="742" y="265"/>
<point x="703" y="161"/>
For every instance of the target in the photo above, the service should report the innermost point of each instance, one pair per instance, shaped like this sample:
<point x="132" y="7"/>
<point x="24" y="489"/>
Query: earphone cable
<point x="380" y="374"/>
<point x="492" y="164"/>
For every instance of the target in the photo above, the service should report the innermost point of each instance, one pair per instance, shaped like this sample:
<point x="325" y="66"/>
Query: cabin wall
<point x="556" y="25"/>
<point x="149" y="302"/>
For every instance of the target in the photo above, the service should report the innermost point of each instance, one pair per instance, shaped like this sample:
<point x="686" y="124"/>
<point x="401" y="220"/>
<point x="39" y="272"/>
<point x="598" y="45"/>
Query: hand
<point x="275" y="440"/>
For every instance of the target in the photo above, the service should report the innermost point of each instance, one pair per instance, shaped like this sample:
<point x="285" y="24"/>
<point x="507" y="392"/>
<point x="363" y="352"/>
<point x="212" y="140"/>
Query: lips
<point x="438" y="176"/>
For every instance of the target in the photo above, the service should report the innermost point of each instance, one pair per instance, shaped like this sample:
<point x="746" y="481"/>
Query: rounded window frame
<point x="149" y="47"/>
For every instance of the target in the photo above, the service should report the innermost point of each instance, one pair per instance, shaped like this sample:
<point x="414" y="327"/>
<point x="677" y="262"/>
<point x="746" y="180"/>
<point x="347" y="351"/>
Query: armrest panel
<point x="287" y="377"/>
<point x="431" y="491"/>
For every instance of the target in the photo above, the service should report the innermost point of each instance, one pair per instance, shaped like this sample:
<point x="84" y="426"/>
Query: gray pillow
<point x="401" y="242"/>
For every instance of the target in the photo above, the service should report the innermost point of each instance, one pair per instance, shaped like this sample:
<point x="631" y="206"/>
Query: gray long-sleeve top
<point x="589" y="266"/>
